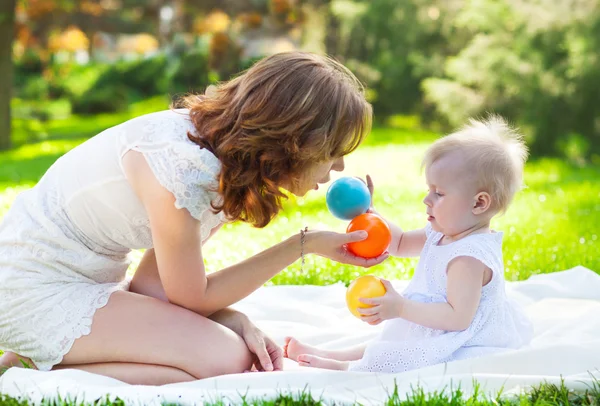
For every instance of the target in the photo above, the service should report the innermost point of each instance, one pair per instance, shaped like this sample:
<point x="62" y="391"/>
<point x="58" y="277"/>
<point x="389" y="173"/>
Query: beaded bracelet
<point x="302" y="238"/>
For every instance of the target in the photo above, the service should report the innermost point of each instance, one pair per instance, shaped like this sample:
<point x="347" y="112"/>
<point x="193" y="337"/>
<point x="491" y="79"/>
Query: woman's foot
<point x="10" y="359"/>
<point x="293" y="348"/>
<point x="314" y="361"/>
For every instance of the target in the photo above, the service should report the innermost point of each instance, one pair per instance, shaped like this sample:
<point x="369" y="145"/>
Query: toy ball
<point x="348" y="197"/>
<point x="367" y="286"/>
<point x="379" y="237"/>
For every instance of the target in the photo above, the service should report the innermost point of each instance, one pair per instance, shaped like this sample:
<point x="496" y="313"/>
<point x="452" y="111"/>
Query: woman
<point x="166" y="182"/>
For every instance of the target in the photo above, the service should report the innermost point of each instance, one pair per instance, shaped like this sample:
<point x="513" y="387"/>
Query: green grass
<point x="546" y="394"/>
<point x="554" y="224"/>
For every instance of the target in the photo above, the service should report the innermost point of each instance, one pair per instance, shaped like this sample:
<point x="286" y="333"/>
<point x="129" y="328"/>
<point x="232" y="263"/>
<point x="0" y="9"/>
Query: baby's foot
<point x="314" y="361"/>
<point x="292" y="348"/>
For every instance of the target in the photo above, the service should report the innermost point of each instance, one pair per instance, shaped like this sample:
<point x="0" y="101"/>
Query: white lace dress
<point x="499" y="324"/>
<point x="64" y="244"/>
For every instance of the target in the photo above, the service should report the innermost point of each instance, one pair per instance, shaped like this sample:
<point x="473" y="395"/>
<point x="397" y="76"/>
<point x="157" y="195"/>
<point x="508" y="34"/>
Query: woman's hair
<point x="492" y="151"/>
<point x="272" y="123"/>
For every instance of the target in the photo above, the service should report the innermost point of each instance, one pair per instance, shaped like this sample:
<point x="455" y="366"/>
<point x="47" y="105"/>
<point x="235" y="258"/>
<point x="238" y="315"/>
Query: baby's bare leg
<point x="293" y="348"/>
<point x="314" y="361"/>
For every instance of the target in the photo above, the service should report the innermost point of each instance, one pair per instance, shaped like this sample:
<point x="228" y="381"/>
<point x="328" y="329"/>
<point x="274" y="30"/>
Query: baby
<point x="455" y="307"/>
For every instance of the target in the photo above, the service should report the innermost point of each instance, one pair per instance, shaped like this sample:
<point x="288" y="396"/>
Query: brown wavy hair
<point x="271" y="123"/>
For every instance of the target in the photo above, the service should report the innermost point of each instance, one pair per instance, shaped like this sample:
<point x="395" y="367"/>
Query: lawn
<point x="553" y="224"/>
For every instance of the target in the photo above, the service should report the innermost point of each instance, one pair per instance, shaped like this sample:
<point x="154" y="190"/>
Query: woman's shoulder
<point x="159" y="126"/>
<point x="167" y="133"/>
<point x="181" y="166"/>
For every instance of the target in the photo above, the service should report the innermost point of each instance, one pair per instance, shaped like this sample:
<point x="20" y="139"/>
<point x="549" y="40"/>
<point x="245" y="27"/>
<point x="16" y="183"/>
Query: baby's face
<point x="450" y="198"/>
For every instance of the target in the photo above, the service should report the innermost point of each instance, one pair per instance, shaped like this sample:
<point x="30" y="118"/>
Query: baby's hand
<point x="388" y="306"/>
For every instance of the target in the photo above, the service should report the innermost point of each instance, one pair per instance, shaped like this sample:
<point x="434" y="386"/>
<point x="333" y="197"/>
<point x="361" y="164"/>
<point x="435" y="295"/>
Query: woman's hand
<point x="332" y="245"/>
<point x="267" y="355"/>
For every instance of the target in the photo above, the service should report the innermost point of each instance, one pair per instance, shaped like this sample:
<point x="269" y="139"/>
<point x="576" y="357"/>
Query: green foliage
<point x="190" y="73"/>
<point x="29" y="64"/>
<point x="102" y="88"/>
<point x="544" y="394"/>
<point x="248" y="62"/>
<point x="36" y="88"/>
<point x="123" y="83"/>
<point x="551" y="226"/>
<point x="111" y="98"/>
<point x="536" y="64"/>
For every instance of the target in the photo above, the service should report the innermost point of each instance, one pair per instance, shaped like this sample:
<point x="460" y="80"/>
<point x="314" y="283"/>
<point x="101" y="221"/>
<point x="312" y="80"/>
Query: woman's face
<point x="319" y="173"/>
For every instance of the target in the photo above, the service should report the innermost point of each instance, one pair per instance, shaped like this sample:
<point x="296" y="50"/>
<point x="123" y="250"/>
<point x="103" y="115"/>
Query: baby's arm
<point x="404" y="243"/>
<point x="465" y="279"/>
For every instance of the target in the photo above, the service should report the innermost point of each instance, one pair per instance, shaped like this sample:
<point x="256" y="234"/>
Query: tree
<point x="7" y="31"/>
<point x="534" y="63"/>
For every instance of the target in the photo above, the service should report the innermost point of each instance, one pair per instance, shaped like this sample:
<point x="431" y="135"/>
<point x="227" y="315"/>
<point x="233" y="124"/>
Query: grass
<point x="554" y="224"/>
<point x="546" y="394"/>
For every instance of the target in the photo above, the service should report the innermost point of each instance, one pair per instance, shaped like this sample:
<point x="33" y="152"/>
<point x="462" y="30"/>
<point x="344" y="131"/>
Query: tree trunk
<point x="332" y="33"/>
<point x="7" y="32"/>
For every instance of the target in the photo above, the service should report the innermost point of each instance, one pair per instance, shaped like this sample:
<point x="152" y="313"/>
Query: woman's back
<point x="86" y="194"/>
<point x="70" y="235"/>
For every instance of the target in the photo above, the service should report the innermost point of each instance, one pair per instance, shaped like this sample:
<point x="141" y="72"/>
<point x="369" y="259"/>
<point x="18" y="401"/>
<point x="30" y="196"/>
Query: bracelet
<point x="302" y="238"/>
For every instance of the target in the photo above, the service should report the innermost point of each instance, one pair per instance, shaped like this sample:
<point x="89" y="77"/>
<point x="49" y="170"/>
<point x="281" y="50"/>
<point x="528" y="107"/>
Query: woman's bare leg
<point x="10" y="359"/>
<point x="133" y="328"/>
<point x="135" y="374"/>
<point x="228" y="352"/>
<point x="146" y="281"/>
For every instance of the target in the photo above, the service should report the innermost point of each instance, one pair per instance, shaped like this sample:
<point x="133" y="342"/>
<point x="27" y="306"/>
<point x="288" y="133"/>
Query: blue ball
<point x="347" y="198"/>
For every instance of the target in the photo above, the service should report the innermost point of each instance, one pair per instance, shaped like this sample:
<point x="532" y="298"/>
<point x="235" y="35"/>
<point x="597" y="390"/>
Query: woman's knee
<point x="234" y="359"/>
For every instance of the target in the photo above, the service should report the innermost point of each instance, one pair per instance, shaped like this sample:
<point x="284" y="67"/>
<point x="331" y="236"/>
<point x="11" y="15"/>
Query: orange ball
<point x="367" y="286"/>
<point x="379" y="237"/>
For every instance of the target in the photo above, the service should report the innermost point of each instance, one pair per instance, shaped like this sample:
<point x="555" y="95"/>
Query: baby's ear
<point x="482" y="203"/>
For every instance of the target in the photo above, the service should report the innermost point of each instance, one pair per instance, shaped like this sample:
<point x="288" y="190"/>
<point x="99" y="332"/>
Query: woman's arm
<point x="178" y="249"/>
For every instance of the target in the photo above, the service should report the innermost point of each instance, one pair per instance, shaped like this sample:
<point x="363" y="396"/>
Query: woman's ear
<point x="481" y="203"/>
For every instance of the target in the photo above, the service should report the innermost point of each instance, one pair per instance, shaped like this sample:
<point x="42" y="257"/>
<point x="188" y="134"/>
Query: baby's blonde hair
<point x="495" y="152"/>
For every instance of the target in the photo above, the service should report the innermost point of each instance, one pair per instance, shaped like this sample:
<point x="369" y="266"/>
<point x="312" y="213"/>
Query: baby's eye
<point x="438" y="194"/>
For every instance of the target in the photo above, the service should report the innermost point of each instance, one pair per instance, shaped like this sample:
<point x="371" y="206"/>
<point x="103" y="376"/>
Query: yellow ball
<point x="367" y="286"/>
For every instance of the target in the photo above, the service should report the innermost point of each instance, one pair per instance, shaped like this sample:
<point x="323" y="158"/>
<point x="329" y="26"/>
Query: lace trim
<point x="84" y="326"/>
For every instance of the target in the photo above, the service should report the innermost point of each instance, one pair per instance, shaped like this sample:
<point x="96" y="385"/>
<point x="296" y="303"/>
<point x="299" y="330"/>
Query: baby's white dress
<point x="499" y="323"/>
<point x="64" y="243"/>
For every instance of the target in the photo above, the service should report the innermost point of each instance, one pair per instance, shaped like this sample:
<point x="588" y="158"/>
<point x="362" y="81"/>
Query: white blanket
<point x="565" y="308"/>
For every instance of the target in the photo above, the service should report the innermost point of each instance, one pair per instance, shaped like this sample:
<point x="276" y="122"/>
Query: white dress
<point x="499" y="324"/>
<point x="64" y="244"/>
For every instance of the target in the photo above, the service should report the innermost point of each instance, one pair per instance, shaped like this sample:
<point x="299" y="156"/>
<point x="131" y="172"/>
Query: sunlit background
<point x="74" y="68"/>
